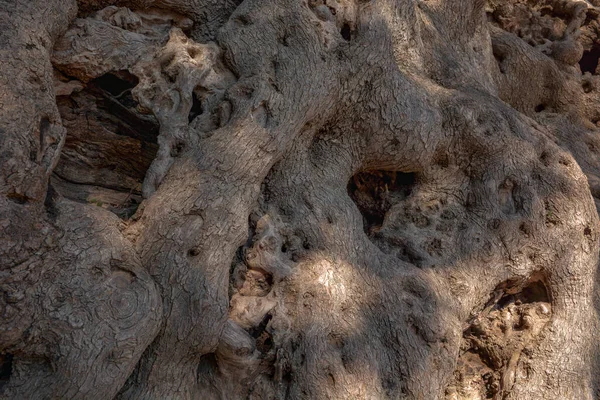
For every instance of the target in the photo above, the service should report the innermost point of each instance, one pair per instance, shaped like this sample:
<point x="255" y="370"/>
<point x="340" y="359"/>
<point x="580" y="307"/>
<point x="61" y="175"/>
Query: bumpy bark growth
<point x="299" y="199"/>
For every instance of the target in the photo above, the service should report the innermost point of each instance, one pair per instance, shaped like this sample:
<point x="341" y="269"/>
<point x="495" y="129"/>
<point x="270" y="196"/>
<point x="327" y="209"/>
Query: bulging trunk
<point x="299" y="199"/>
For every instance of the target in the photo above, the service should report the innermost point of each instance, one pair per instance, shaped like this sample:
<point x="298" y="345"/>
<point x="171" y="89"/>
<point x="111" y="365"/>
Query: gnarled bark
<point x="339" y="199"/>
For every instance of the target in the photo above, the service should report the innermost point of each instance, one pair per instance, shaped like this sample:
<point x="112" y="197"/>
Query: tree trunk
<point x="299" y="199"/>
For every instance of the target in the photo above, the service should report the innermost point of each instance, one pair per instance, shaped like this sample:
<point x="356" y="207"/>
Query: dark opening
<point x="500" y="57"/>
<point x="112" y="92"/>
<point x="346" y="32"/>
<point x="44" y="128"/>
<point x="257" y="331"/>
<point x="208" y="364"/>
<point x="264" y="340"/>
<point x="539" y="108"/>
<point x="589" y="60"/>
<point x="50" y="202"/>
<point x="264" y="343"/>
<point x="117" y="87"/>
<point x="6" y="364"/>
<point x="374" y="193"/>
<point x="116" y="83"/>
<point x="532" y="293"/>
<point x="196" y="108"/>
<point x="177" y="148"/>
<point x="113" y="181"/>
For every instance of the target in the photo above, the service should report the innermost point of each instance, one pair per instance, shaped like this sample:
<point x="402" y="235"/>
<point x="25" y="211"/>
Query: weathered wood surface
<point x="339" y="199"/>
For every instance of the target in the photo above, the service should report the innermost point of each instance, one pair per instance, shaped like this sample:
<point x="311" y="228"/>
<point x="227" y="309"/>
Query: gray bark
<point x="294" y="199"/>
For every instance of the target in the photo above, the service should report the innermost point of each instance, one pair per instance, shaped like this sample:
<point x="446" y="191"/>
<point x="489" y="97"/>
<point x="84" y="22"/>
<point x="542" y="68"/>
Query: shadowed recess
<point x="109" y="146"/>
<point x="6" y="361"/>
<point x="589" y="60"/>
<point x="196" y="108"/>
<point x="116" y="83"/>
<point x="497" y="339"/>
<point x="374" y="192"/>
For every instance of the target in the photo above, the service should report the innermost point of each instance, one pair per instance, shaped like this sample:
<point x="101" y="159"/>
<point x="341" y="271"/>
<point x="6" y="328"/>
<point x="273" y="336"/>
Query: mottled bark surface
<point x="299" y="199"/>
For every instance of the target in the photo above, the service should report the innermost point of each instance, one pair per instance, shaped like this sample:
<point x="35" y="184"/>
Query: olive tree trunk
<point x="299" y="199"/>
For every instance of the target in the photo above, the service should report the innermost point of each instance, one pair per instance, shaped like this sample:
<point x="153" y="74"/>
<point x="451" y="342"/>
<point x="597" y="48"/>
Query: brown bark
<point x="299" y="199"/>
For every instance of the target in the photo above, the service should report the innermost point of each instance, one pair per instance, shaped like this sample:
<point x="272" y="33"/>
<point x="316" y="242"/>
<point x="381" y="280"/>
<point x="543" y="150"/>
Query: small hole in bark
<point x="177" y="148"/>
<point x="306" y="245"/>
<point x="374" y="193"/>
<point x="264" y="342"/>
<point x="494" y="223"/>
<point x="587" y="231"/>
<point x="268" y="342"/>
<point x="346" y="32"/>
<point x="285" y="39"/>
<point x="6" y="366"/>
<point x="193" y="252"/>
<point x="171" y="78"/>
<point x="564" y="161"/>
<point x="525" y="228"/>
<point x="545" y="158"/>
<point x="196" y="108"/>
<point x="589" y="60"/>
<point x="193" y="51"/>
<point x="539" y="108"/>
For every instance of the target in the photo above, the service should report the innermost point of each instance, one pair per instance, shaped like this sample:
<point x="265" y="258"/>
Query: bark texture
<point x="299" y="199"/>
